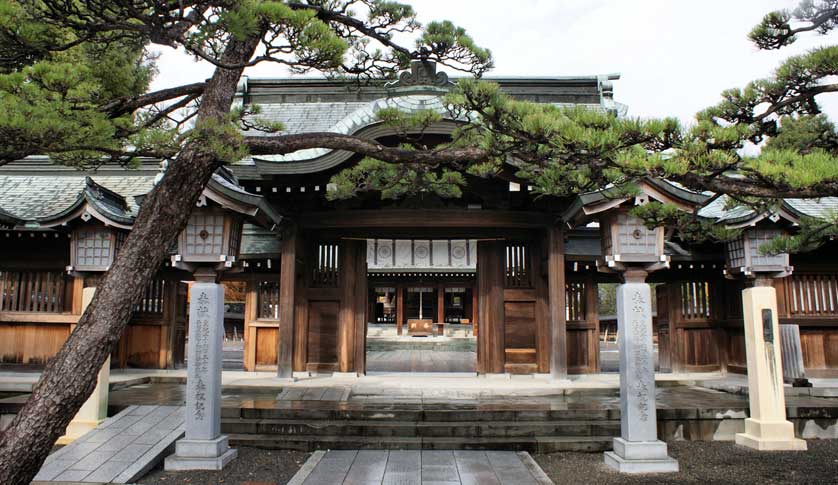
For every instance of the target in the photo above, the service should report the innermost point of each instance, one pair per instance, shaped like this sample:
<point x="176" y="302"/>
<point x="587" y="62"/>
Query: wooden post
<point x="361" y="308"/>
<point x="300" y="353"/>
<point x="474" y="310"/>
<point x="592" y="318"/>
<point x="399" y="309"/>
<point x="251" y="304"/>
<point x="287" y="301"/>
<point x="440" y="304"/>
<point x="352" y="283"/>
<point x="490" y="283"/>
<point x="556" y="286"/>
<point x="542" y="301"/>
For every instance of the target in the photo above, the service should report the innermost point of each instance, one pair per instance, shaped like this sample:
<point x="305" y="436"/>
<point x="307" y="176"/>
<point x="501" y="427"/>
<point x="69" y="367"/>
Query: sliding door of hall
<point x="512" y="308"/>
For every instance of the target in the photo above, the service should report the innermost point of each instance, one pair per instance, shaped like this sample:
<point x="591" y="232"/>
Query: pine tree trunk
<point x="70" y="376"/>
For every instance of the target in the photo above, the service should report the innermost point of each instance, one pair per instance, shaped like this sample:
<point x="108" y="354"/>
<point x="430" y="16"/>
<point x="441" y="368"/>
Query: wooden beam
<point x="287" y="300"/>
<point x="350" y="251"/>
<point x="398" y="218"/>
<point x="538" y="263"/>
<point x="556" y="286"/>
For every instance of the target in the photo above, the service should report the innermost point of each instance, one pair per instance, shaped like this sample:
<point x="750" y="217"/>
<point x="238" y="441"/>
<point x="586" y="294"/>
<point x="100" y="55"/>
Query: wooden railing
<point x="517" y="266"/>
<point x="695" y="302"/>
<point x="268" y="295"/>
<point x="153" y="300"/>
<point x="812" y="295"/>
<point x="326" y="271"/>
<point x="575" y="301"/>
<point x="33" y="291"/>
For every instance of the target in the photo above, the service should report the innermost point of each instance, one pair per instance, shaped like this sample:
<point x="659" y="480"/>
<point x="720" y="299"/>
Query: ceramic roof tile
<point x="35" y="197"/>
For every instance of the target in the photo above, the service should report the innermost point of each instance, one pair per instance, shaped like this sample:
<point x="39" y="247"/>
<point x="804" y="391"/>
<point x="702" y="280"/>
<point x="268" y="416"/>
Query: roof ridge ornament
<point x="422" y="73"/>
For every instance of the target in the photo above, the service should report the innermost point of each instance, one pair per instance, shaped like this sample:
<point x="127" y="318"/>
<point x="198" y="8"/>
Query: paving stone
<point x="53" y="469"/>
<point x="72" y="476"/>
<point x="93" y="460"/>
<point x="107" y="471"/>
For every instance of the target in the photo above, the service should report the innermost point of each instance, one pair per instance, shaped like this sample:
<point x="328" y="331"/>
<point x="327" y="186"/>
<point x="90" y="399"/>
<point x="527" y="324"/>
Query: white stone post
<point x="203" y="448"/>
<point x="95" y="409"/>
<point x="638" y="449"/>
<point x="767" y="428"/>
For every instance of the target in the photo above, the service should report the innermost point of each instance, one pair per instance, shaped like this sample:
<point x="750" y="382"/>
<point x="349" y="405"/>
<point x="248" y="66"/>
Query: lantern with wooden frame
<point x="744" y="257"/>
<point x="93" y="247"/>
<point x="626" y="241"/>
<point x="212" y="235"/>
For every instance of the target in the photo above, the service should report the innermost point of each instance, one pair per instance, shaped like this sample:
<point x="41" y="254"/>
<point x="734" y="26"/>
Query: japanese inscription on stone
<point x="640" y="331"/>
<point x="202" y="355"/>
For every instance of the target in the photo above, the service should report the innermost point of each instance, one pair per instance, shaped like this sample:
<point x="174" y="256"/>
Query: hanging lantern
<point x="743" y="255"/>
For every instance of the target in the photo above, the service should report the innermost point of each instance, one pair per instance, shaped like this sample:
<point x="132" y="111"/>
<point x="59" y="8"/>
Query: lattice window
<point x="517" y="266"/>
<point x="93" y="248"/>
<point x="153" y="300"/>
<point x="813" y="295"/>
<point x="32" y="291"/>
<point x="695" y="300"/>
<point x="736" y="253"/>
<point x="327" y="265"/>
<point x="575" y="301"/>
<point x="268" y="295"/>
<point x="205" y="234"/>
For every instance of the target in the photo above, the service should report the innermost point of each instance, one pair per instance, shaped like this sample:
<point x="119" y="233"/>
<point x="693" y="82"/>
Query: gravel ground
<point x="701" y="462"/>
<point x="707" y="462"/>
<point x="252" y="467"/>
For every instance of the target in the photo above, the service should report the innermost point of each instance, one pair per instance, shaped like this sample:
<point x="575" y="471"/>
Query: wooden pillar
<point x="474" y="310"/>
<point x="592" y="319"/>
<point x="490" y="286"/>
<point x="440" y="304"/>
<point x="542" y="302"/>
<point x="399" y="309"/>
<point x="287" y="304"/>
<point x="558" y="317"/>
<point x="251" y="304"/>
<point x="352" y="313"/>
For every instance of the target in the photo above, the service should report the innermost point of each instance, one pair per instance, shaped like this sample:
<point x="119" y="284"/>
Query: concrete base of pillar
<point x="76" y="429"/>
<point x="200" y="455"/>
<point x="640" y="457"/>
<point x="770" y="436"/>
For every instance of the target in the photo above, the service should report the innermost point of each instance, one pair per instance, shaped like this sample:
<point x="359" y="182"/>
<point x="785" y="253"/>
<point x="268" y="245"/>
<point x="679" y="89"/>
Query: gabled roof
<point x="307" y="105"/>
<point x="224" y="190"/>
<point x="790" y="209"/>
<point x="7" y="220"/>
<point x="587" y="205"/>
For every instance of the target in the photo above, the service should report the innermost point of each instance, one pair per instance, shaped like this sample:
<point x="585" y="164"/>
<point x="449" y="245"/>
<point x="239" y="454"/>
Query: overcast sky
<point x="675" y="56"/>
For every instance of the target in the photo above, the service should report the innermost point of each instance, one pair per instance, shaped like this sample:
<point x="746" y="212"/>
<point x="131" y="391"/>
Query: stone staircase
<point x="431" y="427"/>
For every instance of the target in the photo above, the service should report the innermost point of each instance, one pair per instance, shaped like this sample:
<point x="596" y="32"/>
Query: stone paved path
<point x="120" y="450"/>
<point x="384" y="467"/>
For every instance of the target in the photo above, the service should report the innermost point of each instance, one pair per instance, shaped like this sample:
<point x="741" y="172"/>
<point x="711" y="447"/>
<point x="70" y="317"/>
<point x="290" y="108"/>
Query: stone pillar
<point x="638" y="449"/>
<point x="95" y="409"/>
<point x="767" y="428"/>
<point x="203" y="448"/>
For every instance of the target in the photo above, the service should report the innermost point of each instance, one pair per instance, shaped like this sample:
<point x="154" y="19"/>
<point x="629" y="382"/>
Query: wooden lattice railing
<point x="575" y="301"/>
<point x="268" y="295"/>
<point x="32" y="291"/>
<point x="814" y="295"/>
<point x="695" y="300"/>
<point x="153" y="300"/>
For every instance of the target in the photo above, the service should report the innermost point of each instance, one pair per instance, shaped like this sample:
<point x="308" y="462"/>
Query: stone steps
<point x="536" y="444"/>
<point x="430" y="429"/>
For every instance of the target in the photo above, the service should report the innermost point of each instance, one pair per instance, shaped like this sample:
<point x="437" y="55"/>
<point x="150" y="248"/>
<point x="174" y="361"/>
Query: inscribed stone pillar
<point x="767" y="428"/>
<point x="638" y="449"/>
<point x="95" y="409"/>
<point x="203" y="448"/>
